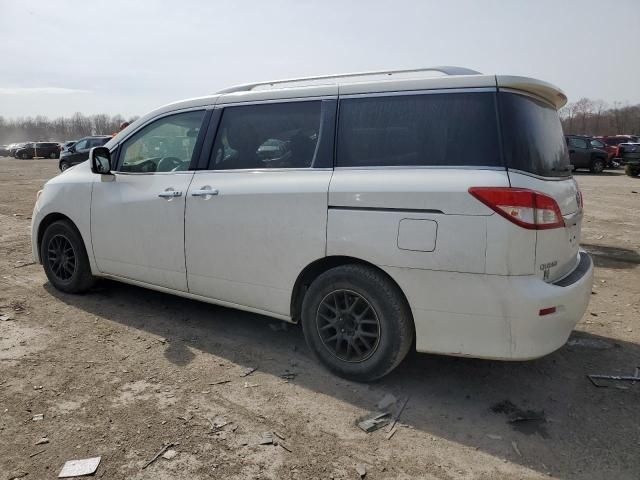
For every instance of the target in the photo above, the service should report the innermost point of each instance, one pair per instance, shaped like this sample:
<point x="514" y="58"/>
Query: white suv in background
<point x="375" y="209"/>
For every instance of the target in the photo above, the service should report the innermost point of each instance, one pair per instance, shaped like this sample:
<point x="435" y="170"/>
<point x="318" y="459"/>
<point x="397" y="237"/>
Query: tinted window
<point x="577" y="142"/>
<point x="97" y="142"/>
<point x="81" y="145"/>
<point x="532" y="136"/>
<point x="277" y="135"/>
<point x="165" y="145"/>
<point x="597" y="144"/>
<point x="452" y="129"/>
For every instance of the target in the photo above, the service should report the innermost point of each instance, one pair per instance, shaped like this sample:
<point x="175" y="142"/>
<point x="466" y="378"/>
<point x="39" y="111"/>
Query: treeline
<point x="596" y="117"/>
<point x="60" y="129"/>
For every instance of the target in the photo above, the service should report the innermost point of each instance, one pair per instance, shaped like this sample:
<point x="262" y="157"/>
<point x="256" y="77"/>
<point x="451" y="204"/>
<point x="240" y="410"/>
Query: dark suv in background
<point x="79" y="151"/>
<point x="38" y="149"/>
<point x="583" y="153"/>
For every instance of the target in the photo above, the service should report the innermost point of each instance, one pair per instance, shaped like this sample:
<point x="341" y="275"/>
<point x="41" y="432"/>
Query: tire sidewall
<point x="598" y="165"/>
<point x="386" y="309"/>
<point x="82" y="272"/>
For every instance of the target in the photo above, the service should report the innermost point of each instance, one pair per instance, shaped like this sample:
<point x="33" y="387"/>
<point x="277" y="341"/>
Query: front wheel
<point x="357" y="322"/>
<point x="64" y="166"/>
<point x="65" y="259"/>
<point x="597" y="165"/>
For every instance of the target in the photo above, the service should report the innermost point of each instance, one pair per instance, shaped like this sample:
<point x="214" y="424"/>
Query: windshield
<point x="532" y="136"/>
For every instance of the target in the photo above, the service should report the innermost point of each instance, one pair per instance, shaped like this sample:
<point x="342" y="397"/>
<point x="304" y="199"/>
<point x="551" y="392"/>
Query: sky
<point x="129" y="57"/>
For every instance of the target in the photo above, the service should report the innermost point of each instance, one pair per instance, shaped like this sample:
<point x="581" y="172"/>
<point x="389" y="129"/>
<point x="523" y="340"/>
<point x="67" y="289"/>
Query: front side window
<point x="597" y="144"/>
<point x="165" y="145"/>
<point x="275" y="135"/>
<point x="81" y="145"/>
<point x="436" y="129"/>
<point x="97" y="142"/>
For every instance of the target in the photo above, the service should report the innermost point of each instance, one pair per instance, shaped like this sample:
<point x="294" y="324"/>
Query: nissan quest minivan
<point x="431" y="209"/>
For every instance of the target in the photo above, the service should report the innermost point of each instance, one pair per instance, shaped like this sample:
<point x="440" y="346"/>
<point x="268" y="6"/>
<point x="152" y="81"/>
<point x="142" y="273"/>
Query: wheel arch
<point x="321" y="265"/>
<point x="48" y="220"/>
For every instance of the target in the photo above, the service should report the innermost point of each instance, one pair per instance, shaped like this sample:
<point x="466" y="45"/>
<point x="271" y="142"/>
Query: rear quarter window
<point x="431" y="129"/>
<point x="532" y="136"/>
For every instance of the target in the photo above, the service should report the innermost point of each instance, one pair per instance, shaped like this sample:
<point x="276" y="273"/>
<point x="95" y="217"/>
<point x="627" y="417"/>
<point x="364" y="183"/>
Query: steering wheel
<point x="167" y="164"/>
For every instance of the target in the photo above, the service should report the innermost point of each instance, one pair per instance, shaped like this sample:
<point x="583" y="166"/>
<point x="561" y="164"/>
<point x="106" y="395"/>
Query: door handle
<point x="170" y="194"/>
<point x="205" y="192"/>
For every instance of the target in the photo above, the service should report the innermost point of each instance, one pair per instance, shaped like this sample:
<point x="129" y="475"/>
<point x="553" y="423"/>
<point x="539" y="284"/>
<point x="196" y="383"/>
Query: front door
<point x="258" y="215"/>
<point x="137" y="215"/>
<point x="579" y="152"/>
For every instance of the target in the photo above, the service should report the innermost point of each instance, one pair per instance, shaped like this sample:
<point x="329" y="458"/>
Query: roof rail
<point x="447" y="70"/>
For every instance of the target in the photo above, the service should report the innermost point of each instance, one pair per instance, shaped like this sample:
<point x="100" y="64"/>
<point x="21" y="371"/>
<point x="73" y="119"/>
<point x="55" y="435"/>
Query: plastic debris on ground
<point x="77" y="468"/>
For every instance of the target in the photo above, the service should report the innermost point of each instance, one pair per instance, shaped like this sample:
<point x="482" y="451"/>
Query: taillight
<point x="526" y="208"/>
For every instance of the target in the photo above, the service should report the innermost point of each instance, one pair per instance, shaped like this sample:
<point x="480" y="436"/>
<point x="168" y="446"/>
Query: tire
<point x="64" y="166"/>
<point x="597" y="165"/>
<point x="358" y="305"/>
<point x="70" y="271"/>
<point x="53" y="155"/>
<point x="23" y="156"/>
<point x="632" y="171"/>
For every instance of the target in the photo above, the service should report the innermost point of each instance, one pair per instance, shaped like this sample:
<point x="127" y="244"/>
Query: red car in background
<point x="611" y="145"/>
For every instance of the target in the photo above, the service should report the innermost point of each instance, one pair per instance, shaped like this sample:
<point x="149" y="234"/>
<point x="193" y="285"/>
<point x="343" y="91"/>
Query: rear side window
<point x="532" y="136"/>
<point x="275" y="135"/>
<point x="577" y="142"/>
<point x="433" y="129"/>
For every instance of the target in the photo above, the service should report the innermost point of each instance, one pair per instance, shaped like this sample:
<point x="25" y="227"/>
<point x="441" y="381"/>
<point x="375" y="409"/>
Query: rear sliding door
<point x="257" y="216"/>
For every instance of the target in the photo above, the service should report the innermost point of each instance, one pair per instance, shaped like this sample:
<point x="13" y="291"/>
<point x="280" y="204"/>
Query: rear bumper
<point x="494" y="316"/>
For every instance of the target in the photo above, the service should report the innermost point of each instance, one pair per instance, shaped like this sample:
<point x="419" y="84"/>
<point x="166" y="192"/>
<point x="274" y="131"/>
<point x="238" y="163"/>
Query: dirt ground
<point x="121" y="371"/>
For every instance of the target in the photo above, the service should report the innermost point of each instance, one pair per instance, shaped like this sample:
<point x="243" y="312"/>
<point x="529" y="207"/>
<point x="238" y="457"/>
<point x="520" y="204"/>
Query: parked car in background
<point x="612" y="162"/>
<point x="38" y="149"/>
<point x="15" y="147"/>
<point x="612" y="142"/>
<point x="583" y="154"/>
<point x="4" y="150"/>
<point x="79" y="151"/>
<point x="372" y="224"/>
<point x="630" y="157"/>
<point x="66" y="145"/>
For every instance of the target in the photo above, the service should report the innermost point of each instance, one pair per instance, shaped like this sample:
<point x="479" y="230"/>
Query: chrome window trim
<point x="425" y="167"/>
<point x="261" y="170"/>
<point x="435" y="91"/>
<point x="539" y="177"/>
<point x="219" y="106"/>
<point x="183" y="172"/>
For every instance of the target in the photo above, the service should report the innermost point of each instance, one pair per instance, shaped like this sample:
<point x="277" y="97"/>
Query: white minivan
<point x="431" y="209"/>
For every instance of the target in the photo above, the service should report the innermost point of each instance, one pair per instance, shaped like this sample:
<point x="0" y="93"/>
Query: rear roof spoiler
<point x="549" y="92"/>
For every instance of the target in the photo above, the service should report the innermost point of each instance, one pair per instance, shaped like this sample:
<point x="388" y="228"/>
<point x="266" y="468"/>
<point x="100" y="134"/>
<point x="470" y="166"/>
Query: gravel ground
<point x="122" y="371"/>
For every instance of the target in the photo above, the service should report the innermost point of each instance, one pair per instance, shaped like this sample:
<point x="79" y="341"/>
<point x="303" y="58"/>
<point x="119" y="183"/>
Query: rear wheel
<point x="23" y="156"/>
<point x="357" y="322"/>
<point x="632" y="171"/>
<point x="65" y="259"/>
<point x="597" y="165"/>
<point x="53" y="155"/>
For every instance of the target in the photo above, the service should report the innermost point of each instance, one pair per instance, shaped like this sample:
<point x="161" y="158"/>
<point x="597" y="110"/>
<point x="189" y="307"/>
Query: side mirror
<point x="72" y="149"/>
<point x="100" y="159"/>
